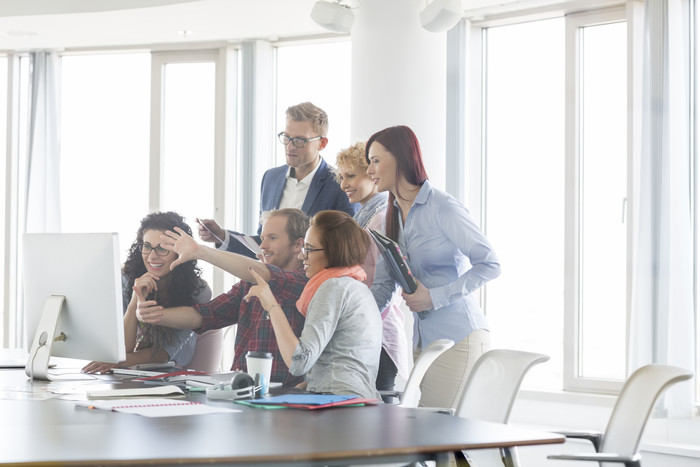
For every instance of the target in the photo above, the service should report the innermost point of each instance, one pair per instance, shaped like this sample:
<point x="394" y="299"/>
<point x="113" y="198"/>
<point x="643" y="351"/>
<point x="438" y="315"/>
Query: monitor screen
<point x="84" y="268"/>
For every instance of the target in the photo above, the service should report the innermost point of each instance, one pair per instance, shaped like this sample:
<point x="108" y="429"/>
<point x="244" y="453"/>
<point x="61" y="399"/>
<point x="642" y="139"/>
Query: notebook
<point x="155" y="407"/>
<point x="308" y="401"/>
<point x="13" y="358"/>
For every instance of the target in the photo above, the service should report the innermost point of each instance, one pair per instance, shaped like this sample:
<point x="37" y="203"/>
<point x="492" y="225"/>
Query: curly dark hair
<point x="184" y="284"/>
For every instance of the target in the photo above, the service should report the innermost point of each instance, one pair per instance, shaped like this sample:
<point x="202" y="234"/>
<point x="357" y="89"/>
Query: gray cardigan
<point x="341" y="341"/>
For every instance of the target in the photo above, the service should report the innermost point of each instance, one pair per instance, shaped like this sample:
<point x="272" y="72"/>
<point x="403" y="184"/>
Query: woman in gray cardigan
<point x="340" y="344"/>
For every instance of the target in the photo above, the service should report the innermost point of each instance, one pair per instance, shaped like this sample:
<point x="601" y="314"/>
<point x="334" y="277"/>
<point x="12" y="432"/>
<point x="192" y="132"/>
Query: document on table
<point x="163" y="391"/>
<point x="155" y="407"/>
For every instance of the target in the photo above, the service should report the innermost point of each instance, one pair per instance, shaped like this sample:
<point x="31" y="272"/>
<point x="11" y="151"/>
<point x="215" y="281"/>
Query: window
<point x="524" y="191"/>
<point x="320" y="86"/>
<point x="601" y="201"/>
<point x="183" y="130"/>
<point x="4" y="331"/>
<point x="104" y="143"/>
<point x="555" y="158"/>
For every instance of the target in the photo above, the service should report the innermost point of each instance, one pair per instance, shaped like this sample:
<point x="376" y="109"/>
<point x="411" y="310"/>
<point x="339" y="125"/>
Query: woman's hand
<point x="148" y="311"/>
<point x="181" y="243"/>
<point x="419" y="300"/>
<point x="144" y="285"/>
<point x="262" y="291"/>
<point x="98" y="367"/>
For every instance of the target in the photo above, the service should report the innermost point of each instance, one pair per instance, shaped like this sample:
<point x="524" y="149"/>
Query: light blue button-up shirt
<point x="451" y="257"/>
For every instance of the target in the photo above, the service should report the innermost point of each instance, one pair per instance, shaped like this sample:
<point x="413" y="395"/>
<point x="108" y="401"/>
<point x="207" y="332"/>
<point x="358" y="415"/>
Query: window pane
<point x="104" y="143"/>
<point x="603" y="162"/>
<point x="3" y="188"/>
<point x="525" y="190"/>
<point x="3" y="184"/>
<point x="320" y="88"/>
<point x="188" y="146"/>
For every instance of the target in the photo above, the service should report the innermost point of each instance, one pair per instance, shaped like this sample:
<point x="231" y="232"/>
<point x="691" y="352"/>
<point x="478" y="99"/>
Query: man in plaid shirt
<point x="282" y="237"/>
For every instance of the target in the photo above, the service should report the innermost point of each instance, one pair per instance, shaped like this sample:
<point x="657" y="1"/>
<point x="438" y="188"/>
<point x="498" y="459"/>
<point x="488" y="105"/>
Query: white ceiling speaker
<point x="334" y="16"/>
<point x="441" y="15"/>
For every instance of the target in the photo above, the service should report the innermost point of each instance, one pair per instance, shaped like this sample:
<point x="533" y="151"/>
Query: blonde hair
<point x="352" y="157"/>
<point x="307" y="112"/>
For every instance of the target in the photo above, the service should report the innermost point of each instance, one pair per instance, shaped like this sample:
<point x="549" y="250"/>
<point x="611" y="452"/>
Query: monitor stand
<point x="37" y="366"/>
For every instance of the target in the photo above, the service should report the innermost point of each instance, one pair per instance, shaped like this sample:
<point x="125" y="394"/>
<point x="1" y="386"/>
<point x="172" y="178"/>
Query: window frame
<point x="573" y="312"/>
<point x="225" y="132"/>
<point x="474" y="121"/>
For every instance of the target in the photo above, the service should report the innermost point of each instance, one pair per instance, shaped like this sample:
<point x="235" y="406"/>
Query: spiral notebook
<point x="155" y="407"/>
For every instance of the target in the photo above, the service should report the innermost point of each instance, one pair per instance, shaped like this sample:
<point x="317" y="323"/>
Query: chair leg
<point x="461" y="459"/>
<point x="509" y="456"/>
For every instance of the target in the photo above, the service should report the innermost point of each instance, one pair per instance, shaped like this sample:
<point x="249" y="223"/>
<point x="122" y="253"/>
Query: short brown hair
<point x="344" y="241"/>
<point x="297" y="221"/>
<point x="352" y="157"/>
<point x="307" y="112"/>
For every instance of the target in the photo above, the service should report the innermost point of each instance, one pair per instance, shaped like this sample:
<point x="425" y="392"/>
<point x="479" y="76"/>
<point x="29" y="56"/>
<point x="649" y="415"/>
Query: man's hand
<point x="210" y="231"/>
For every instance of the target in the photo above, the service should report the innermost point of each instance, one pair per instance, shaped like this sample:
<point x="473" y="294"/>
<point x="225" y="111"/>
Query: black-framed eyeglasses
<point x="146" y="249"/>
<point x="297" y="142"/>
<point x="305" y="251"/>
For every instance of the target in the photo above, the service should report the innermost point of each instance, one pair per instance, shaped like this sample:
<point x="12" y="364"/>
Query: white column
<point x="399" y="77"/>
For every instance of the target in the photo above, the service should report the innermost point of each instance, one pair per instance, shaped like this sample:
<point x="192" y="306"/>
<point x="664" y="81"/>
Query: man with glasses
<point x="305" y="182"/>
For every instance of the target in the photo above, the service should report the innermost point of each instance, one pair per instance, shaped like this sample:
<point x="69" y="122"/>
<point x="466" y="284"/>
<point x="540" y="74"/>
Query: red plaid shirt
<point x="254" y="331"/>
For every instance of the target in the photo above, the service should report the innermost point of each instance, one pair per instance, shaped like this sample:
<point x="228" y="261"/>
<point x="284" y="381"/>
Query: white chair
<point x="620" y="442"/>
<point x="489" y="394"/>
<point x="411" y="392"/>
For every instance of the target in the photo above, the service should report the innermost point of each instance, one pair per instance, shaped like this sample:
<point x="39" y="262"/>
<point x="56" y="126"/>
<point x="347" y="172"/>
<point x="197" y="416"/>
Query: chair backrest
<point x="207" y="351"/>
<point x="493" y="383"/>
<point x="633" y="406"/>
<point x="411" y="393"/>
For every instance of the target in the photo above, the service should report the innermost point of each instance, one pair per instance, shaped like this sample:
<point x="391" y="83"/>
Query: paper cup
<point x="259" y="368"/>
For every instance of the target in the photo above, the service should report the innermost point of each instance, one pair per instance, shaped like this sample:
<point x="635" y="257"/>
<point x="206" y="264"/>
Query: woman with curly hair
<point x="147" y="269"/>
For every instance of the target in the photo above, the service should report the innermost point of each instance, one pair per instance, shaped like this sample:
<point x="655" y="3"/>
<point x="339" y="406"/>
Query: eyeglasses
<point x="297" y="142"/>
<point x="146" y="249"/>
<point x="305" y="251"/>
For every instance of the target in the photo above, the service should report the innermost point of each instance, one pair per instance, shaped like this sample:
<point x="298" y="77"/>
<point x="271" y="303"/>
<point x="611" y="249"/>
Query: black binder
<point x="396" y="261"/>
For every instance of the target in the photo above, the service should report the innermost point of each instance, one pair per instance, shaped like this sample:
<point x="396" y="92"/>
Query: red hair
<point x="403" y="144"/>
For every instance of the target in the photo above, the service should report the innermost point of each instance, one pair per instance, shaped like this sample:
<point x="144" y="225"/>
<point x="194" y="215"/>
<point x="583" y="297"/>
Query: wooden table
<point x="57" y="432"/>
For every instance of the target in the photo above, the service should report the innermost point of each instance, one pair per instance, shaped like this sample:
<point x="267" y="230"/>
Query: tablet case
<point x="395" y="260"/>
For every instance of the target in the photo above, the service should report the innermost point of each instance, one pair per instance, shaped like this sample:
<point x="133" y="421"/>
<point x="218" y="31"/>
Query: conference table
<point x="39" y="427"/>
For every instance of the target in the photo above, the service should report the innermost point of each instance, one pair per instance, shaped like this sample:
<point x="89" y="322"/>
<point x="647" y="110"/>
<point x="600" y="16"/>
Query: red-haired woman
<point x="448" y="255"/>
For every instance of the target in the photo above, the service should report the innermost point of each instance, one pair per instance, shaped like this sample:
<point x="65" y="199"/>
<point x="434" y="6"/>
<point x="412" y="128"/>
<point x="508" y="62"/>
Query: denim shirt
<point x="451" y="257"/>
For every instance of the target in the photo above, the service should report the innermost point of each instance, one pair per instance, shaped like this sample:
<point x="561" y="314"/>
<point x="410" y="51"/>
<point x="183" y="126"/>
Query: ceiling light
<point x="441" y="15"/>
<point x="334" y="16"/>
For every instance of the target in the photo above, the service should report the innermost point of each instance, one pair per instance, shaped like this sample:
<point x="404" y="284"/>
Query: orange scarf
<point x="356" y="272"/>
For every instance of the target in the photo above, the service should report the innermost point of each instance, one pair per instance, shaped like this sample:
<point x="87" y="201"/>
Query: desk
<point x="56" y="432"/>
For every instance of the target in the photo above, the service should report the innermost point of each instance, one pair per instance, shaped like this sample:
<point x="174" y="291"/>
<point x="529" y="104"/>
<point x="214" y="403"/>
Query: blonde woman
<point x="352" y="177"/>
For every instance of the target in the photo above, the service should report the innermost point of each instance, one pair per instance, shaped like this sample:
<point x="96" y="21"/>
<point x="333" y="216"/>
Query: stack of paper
<point x="307" y="401"/>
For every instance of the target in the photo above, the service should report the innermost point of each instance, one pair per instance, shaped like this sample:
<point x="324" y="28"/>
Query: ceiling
<point x="68" y="24"/>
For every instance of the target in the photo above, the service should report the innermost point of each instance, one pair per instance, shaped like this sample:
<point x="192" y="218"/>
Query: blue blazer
<point x="324" y="193"/>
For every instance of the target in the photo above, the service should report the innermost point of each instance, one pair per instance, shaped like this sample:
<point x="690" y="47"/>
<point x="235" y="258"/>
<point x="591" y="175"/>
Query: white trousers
<point x="446" y="377"/>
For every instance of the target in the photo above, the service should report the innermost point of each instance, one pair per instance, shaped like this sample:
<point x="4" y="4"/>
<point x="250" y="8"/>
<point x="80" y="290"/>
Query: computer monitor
<point x="72" y="298"/>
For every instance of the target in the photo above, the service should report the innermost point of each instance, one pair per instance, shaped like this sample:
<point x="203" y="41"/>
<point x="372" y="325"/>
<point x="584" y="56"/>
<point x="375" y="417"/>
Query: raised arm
<point x="188" y="249"/>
